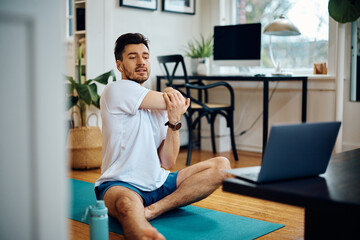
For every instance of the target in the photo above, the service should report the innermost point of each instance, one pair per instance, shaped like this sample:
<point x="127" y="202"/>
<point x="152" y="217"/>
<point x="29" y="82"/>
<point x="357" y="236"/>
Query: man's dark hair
<point x="128" y="38"/>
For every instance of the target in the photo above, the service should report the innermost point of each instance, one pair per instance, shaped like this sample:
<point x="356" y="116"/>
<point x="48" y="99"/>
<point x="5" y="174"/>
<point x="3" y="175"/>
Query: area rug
<point x="188" y="222"/>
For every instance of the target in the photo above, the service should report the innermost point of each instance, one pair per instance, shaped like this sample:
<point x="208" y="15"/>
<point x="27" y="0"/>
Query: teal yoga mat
<point x="188" y="222"/>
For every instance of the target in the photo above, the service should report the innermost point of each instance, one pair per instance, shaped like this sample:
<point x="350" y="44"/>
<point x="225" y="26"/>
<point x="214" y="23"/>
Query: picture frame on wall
<point x="179" y="6"/>
<point x="141" y="4"/>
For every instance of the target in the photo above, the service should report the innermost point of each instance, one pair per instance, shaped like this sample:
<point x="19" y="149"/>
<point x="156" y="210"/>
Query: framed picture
<point x="179" y="6"/>
<point x="143" y="4"/>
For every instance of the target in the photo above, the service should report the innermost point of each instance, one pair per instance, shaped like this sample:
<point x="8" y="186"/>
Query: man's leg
<point x="193" y="184"/>
<point x="127" y="207"/>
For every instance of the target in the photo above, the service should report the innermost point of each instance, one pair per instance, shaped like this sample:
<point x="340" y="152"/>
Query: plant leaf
<point x="103" y="78"/>
<point x="87" y="91"/>
<point x="93" y="92"/>
<point x="70" y="79"/>
<point x="88" y="82"/>
<point x="84" y="93"/>
<point x="113" y="75"/>
<point x="344" y="11"/>
<point x="200" y="49"/>
<point x="97" y="103"/>
<point x="70" y="88"/>
<point x="72" y="101"/>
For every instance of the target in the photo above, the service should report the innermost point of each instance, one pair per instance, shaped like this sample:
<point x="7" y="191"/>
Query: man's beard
<point x="127" y="75"/>
<point x="138" y="81"/>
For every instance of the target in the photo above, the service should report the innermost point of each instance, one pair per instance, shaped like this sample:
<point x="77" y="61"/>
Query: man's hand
<point x="169" y="90"/>
<point x="176" y="105"/>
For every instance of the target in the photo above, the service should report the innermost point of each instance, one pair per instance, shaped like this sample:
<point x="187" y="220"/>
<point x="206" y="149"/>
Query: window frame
<point x="68" y="18"/>
<point x="227" y="16"/>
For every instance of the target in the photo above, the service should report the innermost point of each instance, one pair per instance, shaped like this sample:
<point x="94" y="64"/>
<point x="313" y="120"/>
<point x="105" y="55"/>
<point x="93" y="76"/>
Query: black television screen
<point x="238" y="44"/>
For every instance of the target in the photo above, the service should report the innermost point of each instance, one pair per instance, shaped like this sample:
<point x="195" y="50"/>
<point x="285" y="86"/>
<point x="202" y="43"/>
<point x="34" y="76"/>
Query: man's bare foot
<point x="151" y="233"/>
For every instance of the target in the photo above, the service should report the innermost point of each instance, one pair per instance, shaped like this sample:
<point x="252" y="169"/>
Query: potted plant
<point x="200" y="53"/>
<point x="84" y="142"/>
<point x="344" y="11"/>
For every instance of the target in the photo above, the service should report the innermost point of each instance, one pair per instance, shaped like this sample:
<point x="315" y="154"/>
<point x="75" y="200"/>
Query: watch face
<point x="177" y="126"/>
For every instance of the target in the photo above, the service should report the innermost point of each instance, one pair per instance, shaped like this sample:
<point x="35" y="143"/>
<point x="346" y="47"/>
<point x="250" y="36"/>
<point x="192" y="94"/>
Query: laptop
<point x="293" y="151"/>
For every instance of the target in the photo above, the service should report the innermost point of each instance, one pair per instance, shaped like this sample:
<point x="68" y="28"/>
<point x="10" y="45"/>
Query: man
<point x="140" y="139"/>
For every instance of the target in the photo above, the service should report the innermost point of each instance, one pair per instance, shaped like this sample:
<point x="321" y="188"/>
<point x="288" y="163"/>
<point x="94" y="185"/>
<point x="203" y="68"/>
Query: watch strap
<point x="175" y="126"/>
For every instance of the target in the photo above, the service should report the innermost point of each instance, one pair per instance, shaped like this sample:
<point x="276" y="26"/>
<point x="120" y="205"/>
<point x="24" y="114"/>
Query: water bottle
<point x="98" y="221"/>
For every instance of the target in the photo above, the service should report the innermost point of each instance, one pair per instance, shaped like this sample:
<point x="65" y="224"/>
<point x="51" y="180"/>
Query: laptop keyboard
<point x="251" y="175"/>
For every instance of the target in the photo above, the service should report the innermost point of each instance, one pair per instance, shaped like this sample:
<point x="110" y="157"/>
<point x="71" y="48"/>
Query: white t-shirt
<point x="131" y="137"/>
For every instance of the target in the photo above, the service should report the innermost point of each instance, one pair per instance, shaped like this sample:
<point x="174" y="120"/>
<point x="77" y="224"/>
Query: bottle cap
<point x="99" y="209"/>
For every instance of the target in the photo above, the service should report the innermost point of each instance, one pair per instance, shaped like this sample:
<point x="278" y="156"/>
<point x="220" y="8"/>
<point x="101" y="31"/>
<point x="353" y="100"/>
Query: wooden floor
<point x="292" y="217"/>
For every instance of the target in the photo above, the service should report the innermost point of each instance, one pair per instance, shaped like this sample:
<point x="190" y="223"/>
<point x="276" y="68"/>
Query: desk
<point x="331" y="201"/>
<point x="265" y="81"/>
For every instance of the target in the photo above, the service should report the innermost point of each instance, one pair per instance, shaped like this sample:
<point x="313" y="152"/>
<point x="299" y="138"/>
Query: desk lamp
<point x="280" y="27"/>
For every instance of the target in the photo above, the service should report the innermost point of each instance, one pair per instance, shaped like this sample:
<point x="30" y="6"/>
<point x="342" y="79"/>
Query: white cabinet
<point x="79" y="30"/>
<point x="89" y="27"/>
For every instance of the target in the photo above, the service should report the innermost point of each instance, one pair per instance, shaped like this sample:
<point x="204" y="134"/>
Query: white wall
<point x="351" y="123"/>
<point x="33" y="171"/>
<point x="168" y="34"/>
<point x="284" y="107"/>
<point x="328" y="99"/>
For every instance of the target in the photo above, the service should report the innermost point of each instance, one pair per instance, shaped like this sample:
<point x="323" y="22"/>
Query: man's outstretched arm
<point x="155" y="100"/>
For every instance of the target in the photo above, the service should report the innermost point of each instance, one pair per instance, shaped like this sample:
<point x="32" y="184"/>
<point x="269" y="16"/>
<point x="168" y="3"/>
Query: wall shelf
<point x="79" y="2"/>
<point x="80" y="22"/>
<point x="82" y="32"/>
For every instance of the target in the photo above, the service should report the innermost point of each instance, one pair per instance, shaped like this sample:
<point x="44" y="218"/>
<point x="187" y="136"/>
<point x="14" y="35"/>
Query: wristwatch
<point x="175" y="126"/>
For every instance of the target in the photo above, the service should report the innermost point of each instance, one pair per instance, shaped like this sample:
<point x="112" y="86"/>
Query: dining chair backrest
<point x="199" y="105"/>
<point x="178" y="61"/>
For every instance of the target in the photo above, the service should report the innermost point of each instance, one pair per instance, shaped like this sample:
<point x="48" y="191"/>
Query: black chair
<point x="200" y="104"/>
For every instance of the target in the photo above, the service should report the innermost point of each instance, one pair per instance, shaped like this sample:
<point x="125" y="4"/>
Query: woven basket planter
<point x="84" y="147"/>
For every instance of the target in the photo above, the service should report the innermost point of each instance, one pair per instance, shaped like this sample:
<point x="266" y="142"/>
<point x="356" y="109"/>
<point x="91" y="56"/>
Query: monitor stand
<point x="279" y="74"/>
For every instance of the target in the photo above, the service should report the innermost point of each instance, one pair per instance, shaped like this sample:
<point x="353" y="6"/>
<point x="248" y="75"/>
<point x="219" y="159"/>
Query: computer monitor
<point x="237" y="45"/>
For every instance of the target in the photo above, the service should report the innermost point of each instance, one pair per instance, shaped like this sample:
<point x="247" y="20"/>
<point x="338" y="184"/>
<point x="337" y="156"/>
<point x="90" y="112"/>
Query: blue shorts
<point x="149" y="197"/>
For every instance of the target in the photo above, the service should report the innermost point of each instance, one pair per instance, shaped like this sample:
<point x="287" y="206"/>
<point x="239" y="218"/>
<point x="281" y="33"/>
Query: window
<point x="295" y="52"/>
<point x="69" y="19"/>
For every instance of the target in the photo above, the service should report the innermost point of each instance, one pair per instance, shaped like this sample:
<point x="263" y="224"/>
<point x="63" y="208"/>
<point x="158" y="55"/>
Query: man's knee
<point x="124" y="206"/>
<point x="221" y="163"/>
